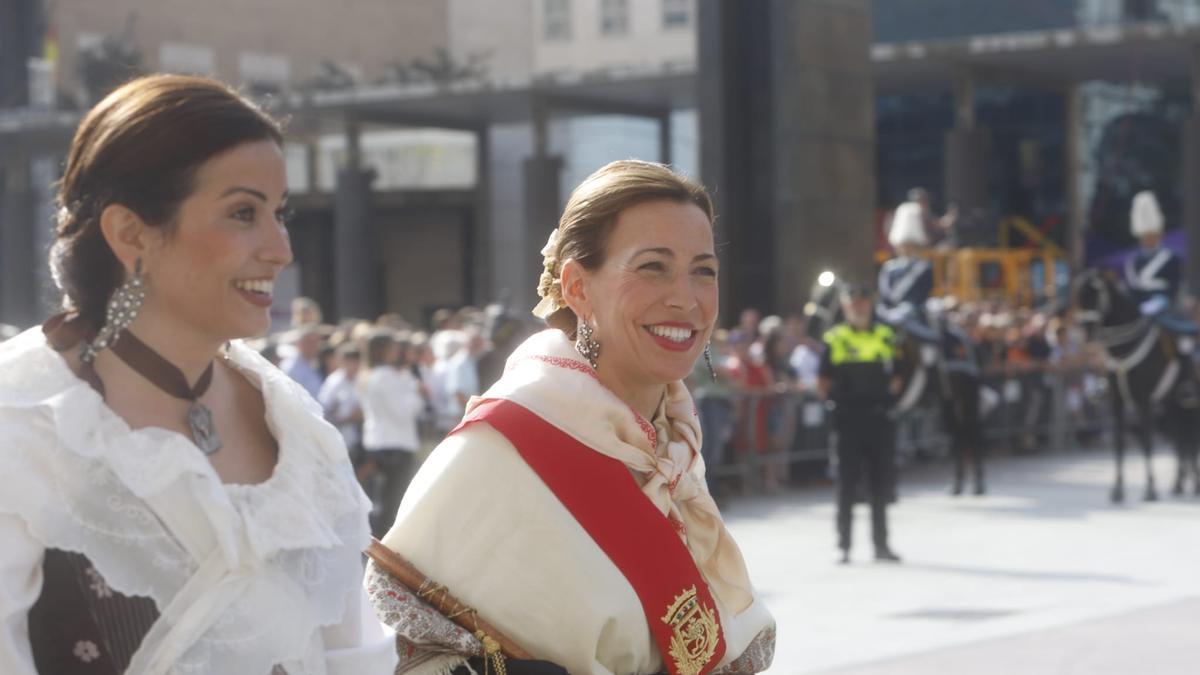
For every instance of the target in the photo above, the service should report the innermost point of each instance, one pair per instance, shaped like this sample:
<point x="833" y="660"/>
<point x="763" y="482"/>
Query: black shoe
<point x="956" y="489"/>
<point x="845" y="559"/>
<point x="980" y="490"/>
<point x="886" y="554"/>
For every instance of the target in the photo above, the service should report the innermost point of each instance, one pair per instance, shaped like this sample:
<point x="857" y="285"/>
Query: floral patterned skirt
<point x="79" y="624"/>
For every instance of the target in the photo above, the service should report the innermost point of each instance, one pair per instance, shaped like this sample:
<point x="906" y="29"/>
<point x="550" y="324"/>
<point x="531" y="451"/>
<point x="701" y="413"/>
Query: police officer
<point x="856" y="374"/>
<point x="958" y="379"/>
<point x="906" y="281"/>
<point x="1154" y="272"/>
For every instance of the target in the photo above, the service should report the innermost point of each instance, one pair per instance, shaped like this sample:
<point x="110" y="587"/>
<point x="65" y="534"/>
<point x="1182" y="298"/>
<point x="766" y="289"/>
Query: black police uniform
<point x="859" y="365"/>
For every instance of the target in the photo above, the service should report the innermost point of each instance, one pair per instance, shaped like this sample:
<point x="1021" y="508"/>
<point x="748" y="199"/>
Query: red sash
<point x="604" y="498"/>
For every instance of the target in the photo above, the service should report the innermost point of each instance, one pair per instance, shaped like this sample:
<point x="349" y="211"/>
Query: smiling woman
<point x="175" y="504"/>
<point x="569" y="508"/>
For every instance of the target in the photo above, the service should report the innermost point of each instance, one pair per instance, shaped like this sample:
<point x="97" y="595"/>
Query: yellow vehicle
<point x="1017" y="276"/>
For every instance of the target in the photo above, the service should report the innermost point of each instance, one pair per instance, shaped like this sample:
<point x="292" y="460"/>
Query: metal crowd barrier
<point x="1027" y="411"/>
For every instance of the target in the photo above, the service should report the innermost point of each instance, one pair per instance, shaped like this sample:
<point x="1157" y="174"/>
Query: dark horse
<point x="926" y="382"/>
<point x="1144" y="373"/>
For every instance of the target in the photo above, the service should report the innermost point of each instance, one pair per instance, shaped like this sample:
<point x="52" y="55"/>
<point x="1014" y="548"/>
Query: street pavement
<point x="1041" y="575"/>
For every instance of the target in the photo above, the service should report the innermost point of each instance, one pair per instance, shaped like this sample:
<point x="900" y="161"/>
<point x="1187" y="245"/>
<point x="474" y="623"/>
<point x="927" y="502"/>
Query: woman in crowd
<point x="173" y="504"/>
<point x="339" y="399"/>
<point x="391" y="403"/>
<point x="781" y="424"/>
<point x="569" y="507"/>
<point x="756" y="387"/>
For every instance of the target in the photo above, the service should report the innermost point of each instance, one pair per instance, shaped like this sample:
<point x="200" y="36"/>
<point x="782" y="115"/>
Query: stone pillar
<point x="1190" y="157"/>
<point x="356" y="270"/>
<point x="824" y="130"/>
<point x="736" y="153"/>
<point x="965" y="169"/>
<point x="479" y="259"/>
<point x="965" y="184"/>
<point x="22" y="25"/>
<point x="1073" y="128"/>
<point x="787" y="117"/>
<point x="357" y="279"/>
<point x="716" y="116"/>
<point x="540" y="176"/>
<point x="664" y="138"/>
<point x="44" y="172"/>
<point x="18" y="280"/>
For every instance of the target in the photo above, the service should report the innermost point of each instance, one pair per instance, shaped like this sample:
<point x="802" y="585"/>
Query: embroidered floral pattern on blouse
<point x="97" y="583"/>
<point x="86" y="651"/>
<point x="83" y="471"/>
<point x="423" y="635"/>
<point x="569" y="364"/>
<point x="757" y="657"/>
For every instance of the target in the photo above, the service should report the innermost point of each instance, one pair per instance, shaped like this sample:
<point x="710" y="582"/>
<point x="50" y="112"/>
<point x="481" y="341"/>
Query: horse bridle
<point x="1108" y="336"/>
<point x="1111" y="336"/>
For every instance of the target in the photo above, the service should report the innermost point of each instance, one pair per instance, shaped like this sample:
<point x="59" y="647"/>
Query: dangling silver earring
<point x="708" y="361"/>
<point x="123" y="308"/>
<point x="586" y="343"/>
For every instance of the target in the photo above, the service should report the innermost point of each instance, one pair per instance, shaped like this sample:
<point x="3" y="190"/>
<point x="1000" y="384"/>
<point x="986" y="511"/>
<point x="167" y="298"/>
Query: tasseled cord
<point x="493" y="658"/>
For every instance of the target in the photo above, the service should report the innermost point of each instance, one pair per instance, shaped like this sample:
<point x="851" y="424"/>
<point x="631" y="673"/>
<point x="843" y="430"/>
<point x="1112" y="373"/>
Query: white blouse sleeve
<point x="360" y="644"/>
<point x="20" y="586"/>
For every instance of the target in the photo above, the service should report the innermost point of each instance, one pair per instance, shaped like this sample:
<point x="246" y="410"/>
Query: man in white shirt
<point x="455" y="377"/>
<point x="339" y="397"/>
<point x="462" y="378"/>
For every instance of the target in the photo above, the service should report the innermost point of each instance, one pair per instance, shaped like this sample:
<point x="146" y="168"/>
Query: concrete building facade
<point x="275" y="44"/>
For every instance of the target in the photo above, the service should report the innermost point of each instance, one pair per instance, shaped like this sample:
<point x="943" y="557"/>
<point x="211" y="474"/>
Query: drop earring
<point x="586" y="343"/>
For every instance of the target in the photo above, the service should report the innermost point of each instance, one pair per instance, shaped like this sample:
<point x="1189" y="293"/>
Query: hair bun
<point x="549" y="289"/>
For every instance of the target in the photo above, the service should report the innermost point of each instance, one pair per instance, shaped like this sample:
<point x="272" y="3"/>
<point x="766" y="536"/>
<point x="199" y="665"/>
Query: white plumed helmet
<point x="1145" y="216"/>
<point x="908" y="227"/>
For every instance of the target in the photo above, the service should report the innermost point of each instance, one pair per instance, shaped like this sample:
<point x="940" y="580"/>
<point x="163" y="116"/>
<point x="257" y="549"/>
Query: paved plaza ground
<point x="1042" y="575"/>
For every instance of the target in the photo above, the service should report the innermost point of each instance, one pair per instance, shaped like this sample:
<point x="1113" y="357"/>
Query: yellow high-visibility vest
<point x="850" y="345"/>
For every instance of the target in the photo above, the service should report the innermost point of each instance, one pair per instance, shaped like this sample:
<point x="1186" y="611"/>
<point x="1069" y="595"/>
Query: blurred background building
<point x="433" y="142"/>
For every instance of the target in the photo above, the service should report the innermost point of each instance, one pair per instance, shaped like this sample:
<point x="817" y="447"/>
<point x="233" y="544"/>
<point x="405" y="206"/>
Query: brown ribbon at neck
<point x="164" y="375"/>
<point x="65" y="331"/>
<point x="160" y="372"/>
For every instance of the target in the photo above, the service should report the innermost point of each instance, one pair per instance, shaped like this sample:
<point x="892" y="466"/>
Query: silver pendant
<point x="203" y="432"/>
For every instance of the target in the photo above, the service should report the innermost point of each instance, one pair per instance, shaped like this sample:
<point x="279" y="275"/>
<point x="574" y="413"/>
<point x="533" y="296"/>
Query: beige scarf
<point x="548" y="377"/>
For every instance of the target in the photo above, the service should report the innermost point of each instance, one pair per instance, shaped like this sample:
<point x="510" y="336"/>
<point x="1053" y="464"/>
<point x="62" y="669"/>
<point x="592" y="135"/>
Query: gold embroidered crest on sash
<point x="696" y="633"/>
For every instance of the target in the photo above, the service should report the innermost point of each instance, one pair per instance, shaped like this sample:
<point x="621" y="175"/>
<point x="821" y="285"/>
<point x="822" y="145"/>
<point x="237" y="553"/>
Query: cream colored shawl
<point x="548" y="377"/>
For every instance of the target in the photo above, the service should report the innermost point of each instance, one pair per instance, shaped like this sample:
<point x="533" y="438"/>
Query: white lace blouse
<point x="245" y="577"/>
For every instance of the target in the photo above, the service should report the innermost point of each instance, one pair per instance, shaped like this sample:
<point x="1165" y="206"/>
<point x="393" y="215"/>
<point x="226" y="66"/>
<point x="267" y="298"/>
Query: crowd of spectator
<point x="764" y="409"/>
<point x="393" y="389"/>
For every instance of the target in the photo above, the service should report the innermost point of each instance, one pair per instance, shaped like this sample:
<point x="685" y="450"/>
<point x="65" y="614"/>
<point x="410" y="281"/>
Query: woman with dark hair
<point x="569" y="507"/>
<point x="174" y="503"/>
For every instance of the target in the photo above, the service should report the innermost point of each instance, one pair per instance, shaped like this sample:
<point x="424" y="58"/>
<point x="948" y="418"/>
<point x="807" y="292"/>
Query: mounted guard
<point x="1154" y="272"/>
<point x="906" y="281"/>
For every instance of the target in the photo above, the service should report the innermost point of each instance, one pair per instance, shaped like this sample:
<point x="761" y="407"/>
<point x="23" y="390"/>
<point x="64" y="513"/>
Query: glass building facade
<point x="1130" y="135"/>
